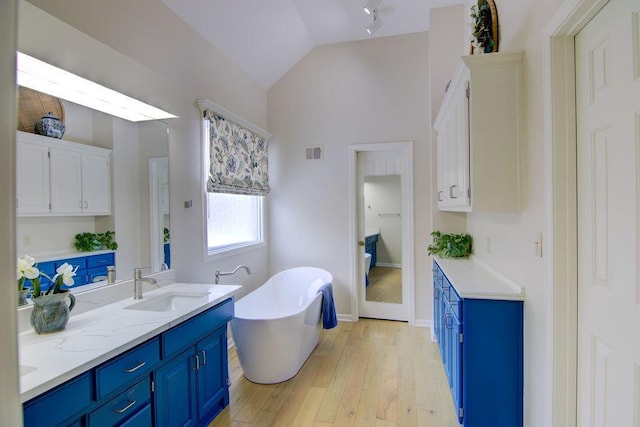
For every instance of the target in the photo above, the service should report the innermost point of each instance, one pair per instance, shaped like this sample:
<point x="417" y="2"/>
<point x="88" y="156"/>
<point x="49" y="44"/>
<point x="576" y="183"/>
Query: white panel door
<point x="608" y="130"/>
<point x="383" y="163"/>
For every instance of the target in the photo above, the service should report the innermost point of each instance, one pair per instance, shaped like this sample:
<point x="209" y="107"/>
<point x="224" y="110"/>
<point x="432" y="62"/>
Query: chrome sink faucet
<point x="137" y="282"/>
<point x="229" y="273"/>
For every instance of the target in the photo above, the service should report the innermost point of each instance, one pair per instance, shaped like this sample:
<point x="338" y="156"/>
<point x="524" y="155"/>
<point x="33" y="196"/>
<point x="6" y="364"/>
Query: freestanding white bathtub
<point x="277" y="326"/>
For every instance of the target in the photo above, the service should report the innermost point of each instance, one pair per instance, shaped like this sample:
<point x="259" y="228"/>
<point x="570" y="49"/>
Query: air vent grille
<point x="313" y="153"/>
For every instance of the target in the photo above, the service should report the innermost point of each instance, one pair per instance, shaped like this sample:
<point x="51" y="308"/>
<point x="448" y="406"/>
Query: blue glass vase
<point x="51" y="312"/>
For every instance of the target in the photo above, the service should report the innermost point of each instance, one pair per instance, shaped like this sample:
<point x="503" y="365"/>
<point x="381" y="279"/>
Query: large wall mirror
<point x="139" y="197"/>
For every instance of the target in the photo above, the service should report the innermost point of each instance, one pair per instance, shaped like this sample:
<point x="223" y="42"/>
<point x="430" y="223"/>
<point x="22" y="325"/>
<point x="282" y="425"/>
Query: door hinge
<point x="228" y="382"/>
<point x="461" y="337"/>
<point x="460" y="413"/>
<point x="468" y="91"/>
<point x="153" y="386"/>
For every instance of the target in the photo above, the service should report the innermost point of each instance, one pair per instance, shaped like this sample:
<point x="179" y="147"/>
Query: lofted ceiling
<point x="266" y="38"/>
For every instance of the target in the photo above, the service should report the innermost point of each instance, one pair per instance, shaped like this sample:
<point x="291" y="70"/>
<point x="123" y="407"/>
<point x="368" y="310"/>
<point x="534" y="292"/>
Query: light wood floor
<point x="368" y="373"/>
<point x="385" y="285"/>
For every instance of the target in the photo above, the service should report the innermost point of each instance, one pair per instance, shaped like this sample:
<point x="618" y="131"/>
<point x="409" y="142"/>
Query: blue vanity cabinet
<point x="97" y="266"/>
<point x="124" y="406"/>
<point x="481" y="343"/>
<point x="371" y="247"/>
<point x="63" y="406"/>
<point x="179" y="377"/>
<point x="192" y="387"/>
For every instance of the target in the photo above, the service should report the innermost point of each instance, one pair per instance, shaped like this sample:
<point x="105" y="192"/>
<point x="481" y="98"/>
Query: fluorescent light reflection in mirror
<point x="43" y="77"/>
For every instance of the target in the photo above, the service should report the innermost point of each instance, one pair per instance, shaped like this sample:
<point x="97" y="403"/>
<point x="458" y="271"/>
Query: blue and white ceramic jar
<point x="50" y="126"/>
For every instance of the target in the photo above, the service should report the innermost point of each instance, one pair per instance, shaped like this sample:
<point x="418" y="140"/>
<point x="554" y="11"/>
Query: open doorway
<point x="382" y="231"/>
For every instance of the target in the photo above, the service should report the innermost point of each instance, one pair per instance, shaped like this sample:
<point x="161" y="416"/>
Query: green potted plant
<point x="450" y="245"/>
<point x="88" y="242"/>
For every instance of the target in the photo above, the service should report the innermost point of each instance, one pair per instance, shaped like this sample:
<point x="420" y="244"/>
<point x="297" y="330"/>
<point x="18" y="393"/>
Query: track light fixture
<point x="371" y="6"/>
<point x="376" y="24"/>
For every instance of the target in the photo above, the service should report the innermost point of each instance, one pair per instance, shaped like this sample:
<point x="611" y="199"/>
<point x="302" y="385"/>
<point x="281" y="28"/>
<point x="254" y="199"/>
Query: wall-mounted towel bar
<point x="388" y="214"/>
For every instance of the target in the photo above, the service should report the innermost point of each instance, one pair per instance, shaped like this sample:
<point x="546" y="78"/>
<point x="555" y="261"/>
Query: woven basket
<point x="33" y="105"/>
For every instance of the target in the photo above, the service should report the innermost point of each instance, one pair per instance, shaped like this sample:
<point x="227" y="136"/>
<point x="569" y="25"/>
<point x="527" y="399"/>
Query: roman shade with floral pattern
<point x="238" y="161"/>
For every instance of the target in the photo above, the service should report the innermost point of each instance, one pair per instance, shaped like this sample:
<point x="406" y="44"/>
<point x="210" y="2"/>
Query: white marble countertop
<point x="472" y="279"/>
<point x="95" y="336"/>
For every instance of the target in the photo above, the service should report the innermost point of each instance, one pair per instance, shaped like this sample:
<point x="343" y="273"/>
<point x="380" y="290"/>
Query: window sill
<point x="232" y="251"/>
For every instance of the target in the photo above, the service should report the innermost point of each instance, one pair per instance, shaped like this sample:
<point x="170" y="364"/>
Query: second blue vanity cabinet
<point x="480" y="335"/>
<point x="371" y="247"/>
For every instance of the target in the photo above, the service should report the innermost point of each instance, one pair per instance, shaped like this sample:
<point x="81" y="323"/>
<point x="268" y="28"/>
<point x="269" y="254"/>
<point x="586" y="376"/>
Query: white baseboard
<point x="346" y="318"/>
<point x="388" y="264"/>
<point x="423" y="323"/>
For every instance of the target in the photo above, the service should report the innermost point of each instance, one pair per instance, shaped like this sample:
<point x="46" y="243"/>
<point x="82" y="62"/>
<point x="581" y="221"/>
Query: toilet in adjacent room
<point x="367" y="266"/>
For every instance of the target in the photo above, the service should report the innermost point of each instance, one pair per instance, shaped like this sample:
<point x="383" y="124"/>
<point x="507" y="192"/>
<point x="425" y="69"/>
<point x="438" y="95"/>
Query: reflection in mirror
<point x="383" y="238"/>
<point x="51" y="237"/>
<point x="159" y="213"/>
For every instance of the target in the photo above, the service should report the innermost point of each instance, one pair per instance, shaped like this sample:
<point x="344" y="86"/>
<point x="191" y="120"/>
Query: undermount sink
<point x="171" y="301"/>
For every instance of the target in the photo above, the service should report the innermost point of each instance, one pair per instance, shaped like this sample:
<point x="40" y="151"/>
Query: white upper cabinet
<point x="32" y="178"/>
<point x="56" y="177"/>
<point x="478" y="135"/>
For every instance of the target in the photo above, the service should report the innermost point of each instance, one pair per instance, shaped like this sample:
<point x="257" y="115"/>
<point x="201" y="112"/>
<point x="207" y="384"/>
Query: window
<point x="236" y="179"/>
<point x="233" y="221"/>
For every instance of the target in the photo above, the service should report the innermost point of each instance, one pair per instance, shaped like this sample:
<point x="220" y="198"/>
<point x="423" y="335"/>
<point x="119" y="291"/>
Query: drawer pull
<point x="126" y="408"/>
<point x="197" y="368"/>
<point x="204" y="357"/>
<point x="135" y="368"/>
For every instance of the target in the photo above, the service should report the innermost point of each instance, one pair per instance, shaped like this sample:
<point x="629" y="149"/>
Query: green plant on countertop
<point x="87" y="242"/>
<point x="450" y="245"/>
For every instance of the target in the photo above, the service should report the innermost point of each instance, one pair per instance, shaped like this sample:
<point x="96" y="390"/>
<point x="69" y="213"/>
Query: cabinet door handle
<point x="439" y="195"/>
<point x="448" y="325"/>
<point x="126" y="408"/>
<point x="86" y="204"/>
<point x="80" y="204"/>
<point x="197" y="368"/>
<point x="204" y="357"/>
<point x="451" y="192"/>
<point x="135" y="368"/>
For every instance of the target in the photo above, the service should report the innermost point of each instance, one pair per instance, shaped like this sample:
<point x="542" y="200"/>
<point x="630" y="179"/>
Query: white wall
<point x="367" y="91"/>
<point x="10" y="406"/>
<point x="382" y="201"/>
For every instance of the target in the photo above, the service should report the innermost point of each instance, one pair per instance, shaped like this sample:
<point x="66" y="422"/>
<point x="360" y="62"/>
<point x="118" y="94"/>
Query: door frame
<point x="356" y="262"/>
<point x="561" y="264"/>
<point x="156" y="224"/>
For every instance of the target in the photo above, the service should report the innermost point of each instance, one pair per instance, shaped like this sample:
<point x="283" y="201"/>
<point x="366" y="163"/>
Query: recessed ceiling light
<point x="46" y="78"/>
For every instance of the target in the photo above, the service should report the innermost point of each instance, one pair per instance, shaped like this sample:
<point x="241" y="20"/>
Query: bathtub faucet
<point x="229" y="273"/>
